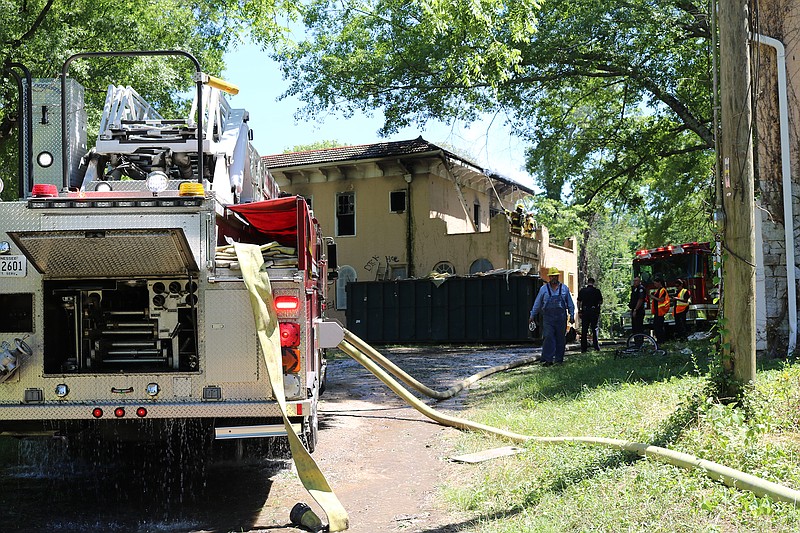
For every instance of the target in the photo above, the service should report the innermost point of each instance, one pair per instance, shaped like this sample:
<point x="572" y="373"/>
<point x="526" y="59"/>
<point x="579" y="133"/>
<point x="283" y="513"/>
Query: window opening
<point x="347" y="274"/>
<point x="398" y="272"/>
<point x="345" y="214"/>
<point x="397" y="201"/>
<point x="480" y="265"/>
<point x="444" y="267"/>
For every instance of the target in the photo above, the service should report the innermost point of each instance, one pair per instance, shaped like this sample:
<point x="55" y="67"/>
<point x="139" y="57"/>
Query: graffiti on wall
<point x="380" y="265"/>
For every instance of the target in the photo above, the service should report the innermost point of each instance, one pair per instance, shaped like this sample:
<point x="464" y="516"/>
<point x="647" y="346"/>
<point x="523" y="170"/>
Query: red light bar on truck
<point x="673" y="249"/>
<point x="44" y="190"/>
<point x="286" y="303"/>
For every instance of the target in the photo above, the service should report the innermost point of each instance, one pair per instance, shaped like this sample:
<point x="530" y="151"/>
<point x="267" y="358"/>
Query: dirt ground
<point x="383" y="459"/>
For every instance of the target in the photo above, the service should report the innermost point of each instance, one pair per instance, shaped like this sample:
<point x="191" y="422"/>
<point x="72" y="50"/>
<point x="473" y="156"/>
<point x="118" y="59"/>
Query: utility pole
<point x="739" y="270"/>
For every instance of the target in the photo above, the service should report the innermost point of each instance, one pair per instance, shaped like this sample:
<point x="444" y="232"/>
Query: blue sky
<point x="275" y="128"/>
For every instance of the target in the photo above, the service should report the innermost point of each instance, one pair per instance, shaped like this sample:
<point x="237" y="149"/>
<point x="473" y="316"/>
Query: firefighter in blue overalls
<point x="554" y="301"/>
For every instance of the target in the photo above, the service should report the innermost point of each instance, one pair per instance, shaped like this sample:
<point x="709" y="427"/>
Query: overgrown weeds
<point x="663" y="400"/>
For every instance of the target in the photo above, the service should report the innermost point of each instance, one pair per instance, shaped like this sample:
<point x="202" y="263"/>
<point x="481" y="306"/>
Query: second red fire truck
<point x="693" y="262"/>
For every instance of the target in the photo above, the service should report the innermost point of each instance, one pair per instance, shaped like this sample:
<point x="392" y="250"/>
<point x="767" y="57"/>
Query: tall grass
<point x="657" y="400"/>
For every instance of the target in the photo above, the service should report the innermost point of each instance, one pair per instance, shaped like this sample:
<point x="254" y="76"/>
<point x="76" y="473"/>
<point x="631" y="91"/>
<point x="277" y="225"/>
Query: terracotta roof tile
<point x="372" y="151"/>
<point x="349" y="153"/>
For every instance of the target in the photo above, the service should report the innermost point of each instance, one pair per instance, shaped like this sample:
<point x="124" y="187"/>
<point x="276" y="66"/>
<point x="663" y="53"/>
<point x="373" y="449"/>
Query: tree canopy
<point x="319" y="145"/>
<point x="41" y="34"/>
<point x="613" y="97"/>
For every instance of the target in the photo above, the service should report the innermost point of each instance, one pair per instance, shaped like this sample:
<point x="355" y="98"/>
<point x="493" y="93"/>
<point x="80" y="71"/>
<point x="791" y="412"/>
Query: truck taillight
<point x="141" y="412"/>
<point x="291" y="360"/>
<point x="97" y="412"/>
<point x="286" y="303"/>
<point x="290" y="334"/>
<point x="119" y="412"/>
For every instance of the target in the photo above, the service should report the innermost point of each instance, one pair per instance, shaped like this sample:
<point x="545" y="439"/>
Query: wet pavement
<point x="139" y="491"/>
<point x="46" y="491"/>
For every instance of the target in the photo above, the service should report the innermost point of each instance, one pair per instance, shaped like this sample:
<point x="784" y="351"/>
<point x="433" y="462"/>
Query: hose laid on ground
<point x="729" y="476"/>
<point x="409" y="380"/>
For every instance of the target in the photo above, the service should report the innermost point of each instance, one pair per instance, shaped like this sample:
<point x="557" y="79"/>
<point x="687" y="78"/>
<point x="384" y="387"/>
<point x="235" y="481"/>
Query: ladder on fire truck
<point x="138" y="139"/>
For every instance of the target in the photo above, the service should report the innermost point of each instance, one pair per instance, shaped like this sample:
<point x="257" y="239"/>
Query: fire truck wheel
<point x="310" y="435"/>
<point x="323" y="383"/>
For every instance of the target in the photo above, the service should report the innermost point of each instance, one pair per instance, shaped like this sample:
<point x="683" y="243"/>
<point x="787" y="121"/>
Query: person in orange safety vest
<point x="682" y="300"/>
<point x="659" y="301"/>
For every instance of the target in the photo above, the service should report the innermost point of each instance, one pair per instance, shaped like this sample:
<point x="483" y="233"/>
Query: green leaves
<point x="41" y="34"/>
<point x="612" y="96"/>
<point x="561" y="220"/>
<point x="416" y="59"/>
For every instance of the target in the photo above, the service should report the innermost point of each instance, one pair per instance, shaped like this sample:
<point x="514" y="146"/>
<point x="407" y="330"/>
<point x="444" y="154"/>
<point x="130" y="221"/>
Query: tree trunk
<point x="583" y="257"/>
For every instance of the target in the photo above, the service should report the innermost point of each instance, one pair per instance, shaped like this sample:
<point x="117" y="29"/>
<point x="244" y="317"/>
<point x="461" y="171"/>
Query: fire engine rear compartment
<point x="111" y="326"/>
<point x="155" y="314"/>
<point x="136" y="321"/>
<point x="116" y="300"/>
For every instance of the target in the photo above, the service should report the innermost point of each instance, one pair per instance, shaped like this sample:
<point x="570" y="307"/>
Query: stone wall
<point x="778" y="19"/>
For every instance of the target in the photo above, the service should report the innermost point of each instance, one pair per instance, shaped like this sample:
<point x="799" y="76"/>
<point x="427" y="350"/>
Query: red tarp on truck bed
<point x="277" y="218"/>
<point x="286" y="220"/>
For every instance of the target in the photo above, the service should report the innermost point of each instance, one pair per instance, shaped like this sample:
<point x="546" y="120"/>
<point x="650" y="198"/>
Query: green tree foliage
<point x="415" y="59"/>
<point x="41" y="34"/>
<point x="612" y="96"/>
<point x="319" y="145"/>
<point x="608" y="248"/>
<point x="561" y="220"/>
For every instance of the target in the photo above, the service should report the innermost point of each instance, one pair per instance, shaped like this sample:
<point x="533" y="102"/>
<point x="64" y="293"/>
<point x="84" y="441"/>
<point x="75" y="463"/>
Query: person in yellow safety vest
<point x="682" y="301"/>
<point x="659" y="301"/>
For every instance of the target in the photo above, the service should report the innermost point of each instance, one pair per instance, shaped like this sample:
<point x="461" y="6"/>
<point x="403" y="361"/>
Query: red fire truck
<point x="692" y="262"/>
<point x="123" y="312"/>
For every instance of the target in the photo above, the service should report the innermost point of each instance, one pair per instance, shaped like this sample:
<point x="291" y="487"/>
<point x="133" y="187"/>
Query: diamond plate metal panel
<point x="107" y="253"/>
<point x="46" y="98"/>
<point x="182" y="387"/>
<point x="230" y="339"/>
<point x="15" y="216"/>
<point x="141" y="218"/>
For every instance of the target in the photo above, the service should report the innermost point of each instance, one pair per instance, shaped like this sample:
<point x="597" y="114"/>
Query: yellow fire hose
<point x="257" y="283"/>
<point x="729" y="476"/>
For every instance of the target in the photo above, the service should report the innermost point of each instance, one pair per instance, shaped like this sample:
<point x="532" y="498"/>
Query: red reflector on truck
<point x="290" y="334"/>
<point x="119" y="412"/>
<point x="286" y="303"/>
<point x="141" y="412"/>
<point x="97" y="412"/>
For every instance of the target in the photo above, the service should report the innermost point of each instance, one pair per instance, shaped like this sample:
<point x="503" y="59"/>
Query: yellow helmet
<point x="553" y="272"/>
